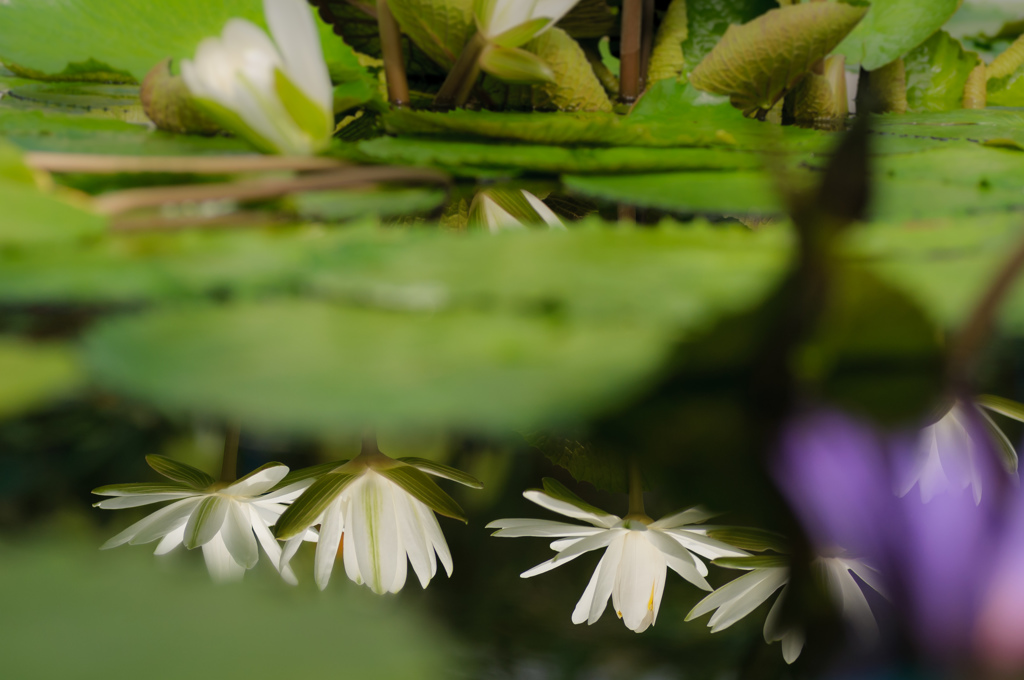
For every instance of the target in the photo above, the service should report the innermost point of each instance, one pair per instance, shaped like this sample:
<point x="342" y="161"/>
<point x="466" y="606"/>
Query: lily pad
<point x="32" y="218"/>
<point x="35" y="374"/>
<point x="894" y="27"/>
<point x="937" y="72"/>
<point x="315" y="368"/>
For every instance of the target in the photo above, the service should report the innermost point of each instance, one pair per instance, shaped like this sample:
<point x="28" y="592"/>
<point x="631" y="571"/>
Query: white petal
<point x="792" y="645"/>
<point x="677" y="557"/>
<point x="291" y="546"/>
<point x="773" y="628"/>
<point x="349" y="549"/>
<point x="682" y="518"/>
<point x="238" y="537"/>
<point x="851" y="599"/>
<point x="254" y="485"/>
<point x="156" y="525"/>
<point x="206" y="521"/>
<point x="582" y="611"/>
<point x="327" y="547"/>
<point x="582" y="546"/>
<point x="705" y="547"/>
<point x="375" y="531"/>
<point x="539" y="528"/>
<point x="733" y="590"/>
<point x="271" y="546"/>
<point x="609" y="571"/>
<point x="221" y="565"/>
<point x="414" y="538"/>
<point x="435" y="537"/>
<point x="546" y="214"/>
<point x="171" y="541"/>
<point x="731" y="612"/>
<point x="868" y="574"/>
<point x="294" y="30"/>
<point x="605" y="521"/>
<point x="121" y="502"/>
<point x="641" y="576"/>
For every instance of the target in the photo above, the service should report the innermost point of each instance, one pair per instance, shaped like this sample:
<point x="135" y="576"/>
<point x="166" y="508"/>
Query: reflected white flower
<point x="226" y="521"/>
<point x="494" y="210"/>
<point x="373" y="511"/>
<point x="741" y="596"/>
<point x="947" y="458"/>
<point x="638" y="553"/>
<point x="275" y="93"/>
<point x="497" y="17"/>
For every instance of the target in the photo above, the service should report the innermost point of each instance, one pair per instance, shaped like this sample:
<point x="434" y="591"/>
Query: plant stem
<point x="636" y="489"/>
<point x="229" y="462"/>
<point x="629" y="52"/>
<point x="460" y="81"/>
<point x="104" y="164"/>
<point x="646" y="42"/>
<point x="391" y="50"/>
<point x="976" y="331"/>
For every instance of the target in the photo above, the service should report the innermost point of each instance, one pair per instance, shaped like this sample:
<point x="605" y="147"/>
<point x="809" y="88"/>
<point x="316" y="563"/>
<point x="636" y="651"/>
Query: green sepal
<point x="421" y="487"/>
<point x="749" y="538"/>
<point x="511" y="201"/>
<point x="180" y="472"/>
<point x="310" y="118"/>
<point x="1004" y="447"/>
<point x="1002" y="406"/>
<point x="444" y="471"/>
<point x="754" y="562"/>
<point x="515" y="66"/>
<point x="560" y="492"/>
<point x="231" y="121"/>
<point x="200" y="528"/>
<point x="141" y="489"/>
<point x="313" y="472"/>
<point x="521" y="34"/>
<point x="301" y="514"/>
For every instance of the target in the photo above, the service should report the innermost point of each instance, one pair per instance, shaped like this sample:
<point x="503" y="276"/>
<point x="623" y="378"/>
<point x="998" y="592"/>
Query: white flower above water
<point x="276" y="92"/>
<point x="377" y="512"/>
<point x="496" y="18"/>
<point x="500" y="209"/>
<point x="767" y="574"/>
<point x="226" y="520"/>
<point x="638" y="553"/>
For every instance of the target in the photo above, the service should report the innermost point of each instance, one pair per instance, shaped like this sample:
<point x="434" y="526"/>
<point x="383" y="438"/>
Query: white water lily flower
<point x="276" y="92"/>
<point x="498" y="17"/>
<point x="375" y="510"/>
<point x="225" y="520"/>
<point x="948" y="456"/>
<point x="638" y="552"/>
<point x="494" y="210"/>
<point x="738" y="598"/>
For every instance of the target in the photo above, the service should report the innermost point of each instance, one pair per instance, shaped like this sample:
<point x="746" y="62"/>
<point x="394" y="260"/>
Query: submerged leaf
<point x="758" y="63"/>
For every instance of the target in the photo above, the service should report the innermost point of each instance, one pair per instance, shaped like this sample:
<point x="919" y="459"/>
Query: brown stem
<point x="629" y="56"/>
<point x="229" y="463"/>
<point x="627" y="213"/>
<point x="461" y="79"/>
<point x="391" y="50"/>
<point x="102" y="164"/>
<point x="117" y="202"/>
<point x="976" y="332"/>
<point x="369" y="445"/>
<point x="646" y="42"/>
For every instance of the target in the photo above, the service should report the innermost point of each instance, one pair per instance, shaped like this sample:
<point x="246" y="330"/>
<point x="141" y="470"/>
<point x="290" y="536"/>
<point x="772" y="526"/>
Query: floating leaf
<point x="758" y="63"/>
<point x="32" y="218"/>
<point x="34" y="375"/>
<point x="937" y="74"/>
<point x="894" y="27"/>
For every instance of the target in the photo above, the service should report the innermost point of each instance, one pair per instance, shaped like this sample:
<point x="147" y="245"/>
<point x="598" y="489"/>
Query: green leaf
<point x="336" y="206"/>
<point x="34" y="219"/>
<point x="90" y="38"/>
<point x="180" y="472"/>
<point x="558" y="491"/>
<point x="937" y="72"/>
<point x="35" y="374"/>
<point x="315" y="368"/>
<point x="514" y="65"/>
<point x="441" y="28"/>
<point x="12" y="168"/>
<point x="141" y="489"/>
<point x="667" y="60"/>
<point x="604" y="469"/>
<point x="313" y="472"/>
<point x="205" y="521"/>
<point x="894" y="27"/>
<point x="445" y="471"/>
<point x="574" y="85"/>
<point x="708" y="20"/>
<point x="421" y="487"/>
<point x="1002" y="406"/>
<point x="1006" y="76"/>
<point x="521" y="34"/>
<point x="755" y="562"/>
<point x="758" y="63"/>
<point x="303" y="110"/>
<point x="749" y="538"/>
<point x="307" y="508"/>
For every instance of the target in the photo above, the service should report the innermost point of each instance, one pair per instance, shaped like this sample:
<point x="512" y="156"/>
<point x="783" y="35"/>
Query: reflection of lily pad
<point x="757" y="63"/>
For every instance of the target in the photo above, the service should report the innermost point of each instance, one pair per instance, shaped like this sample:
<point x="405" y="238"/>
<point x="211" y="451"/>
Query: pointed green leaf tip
<point x="180" y="472"/>
<point x="421" y="487"/>
<point x="757" y="63"/>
